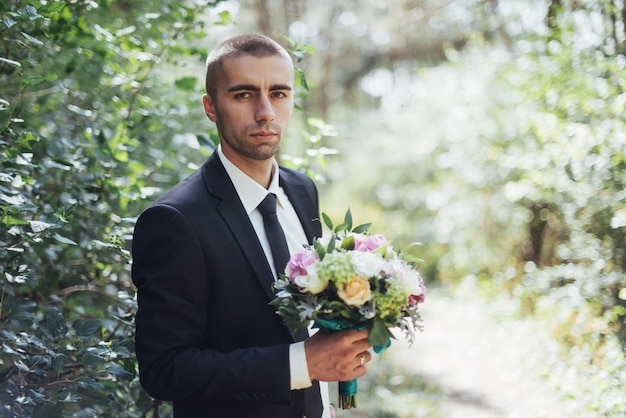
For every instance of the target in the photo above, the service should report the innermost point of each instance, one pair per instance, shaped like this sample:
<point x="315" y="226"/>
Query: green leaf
<point x="91" y="358"/>
<point x="347" y="220"/>
<point x="361" y="228"/>
<point x="341" y="227"/>
<point x="31" y="39"/>
<point x="10" y="62"/>
<point x="30" y="12"/>
<point x="331" y="245"/>
<point x="301" y="79"/>
<point x="321" y="252"/>
<point x="39" y="226"/>
<point x="186" y="83"/>
<point x="53" y="323"/>
<point x="62" y="239"/>
<point x="120" y="373"/>
<point x="209" y="141"/>
<point x="123" y="347"/>
<point x="19" y="310"/>
<point x="52" y="7"/>
<point x="379" y="334"/>
<point x="90" y="383"/>
<point x="59" y="361"/>
<point x="327" y="221"/>
<point x="8" y="22"/>
<point x="8" y="220"/>
<point x="87" y="327"/>
<point x="37" y="80"/>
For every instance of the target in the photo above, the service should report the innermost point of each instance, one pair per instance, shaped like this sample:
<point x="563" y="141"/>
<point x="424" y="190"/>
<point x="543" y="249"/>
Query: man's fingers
<point x="337" y="356"/>
<point x="354" y="335"/>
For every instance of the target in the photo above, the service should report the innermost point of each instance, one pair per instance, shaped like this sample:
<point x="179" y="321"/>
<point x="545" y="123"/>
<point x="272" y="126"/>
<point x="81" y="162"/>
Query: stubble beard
<point x="261" y="151"/>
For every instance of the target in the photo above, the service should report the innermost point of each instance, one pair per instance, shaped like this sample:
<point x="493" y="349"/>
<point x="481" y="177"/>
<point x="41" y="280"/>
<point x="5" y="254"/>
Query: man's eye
<point x="279" y="94"/>
<point x="242" y="95"/>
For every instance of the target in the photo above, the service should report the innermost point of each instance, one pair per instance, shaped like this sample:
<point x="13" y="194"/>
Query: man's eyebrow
<point x="280" y="87"/>
<point x="252" y="87"/>
<point x="241" y="87"/>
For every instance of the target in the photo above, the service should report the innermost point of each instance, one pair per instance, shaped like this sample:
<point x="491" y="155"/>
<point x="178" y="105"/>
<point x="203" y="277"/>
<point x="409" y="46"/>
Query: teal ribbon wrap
<point x="347" y="390"/>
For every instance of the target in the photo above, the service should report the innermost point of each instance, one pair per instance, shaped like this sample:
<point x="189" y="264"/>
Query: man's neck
<point x="260" y="171"/>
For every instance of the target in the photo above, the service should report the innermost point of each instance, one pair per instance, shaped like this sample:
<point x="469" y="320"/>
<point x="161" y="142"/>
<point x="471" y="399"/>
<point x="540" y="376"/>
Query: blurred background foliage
<point x="491" y="131"/>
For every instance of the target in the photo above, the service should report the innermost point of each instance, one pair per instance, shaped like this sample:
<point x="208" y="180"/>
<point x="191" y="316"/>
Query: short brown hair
<point x="248" y="44"/>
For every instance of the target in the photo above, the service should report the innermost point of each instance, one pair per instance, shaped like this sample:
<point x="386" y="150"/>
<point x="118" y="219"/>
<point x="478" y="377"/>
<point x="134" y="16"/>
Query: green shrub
<point x="87" y="116"/>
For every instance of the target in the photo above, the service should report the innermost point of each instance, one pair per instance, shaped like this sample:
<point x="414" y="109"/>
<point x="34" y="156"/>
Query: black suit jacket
<point x="206" y="337"/>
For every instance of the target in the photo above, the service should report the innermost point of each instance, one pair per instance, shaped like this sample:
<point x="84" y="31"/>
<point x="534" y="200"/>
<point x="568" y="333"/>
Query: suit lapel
<point x="232" y="211"/>
<point x="305" y="208"/>
<point x="235" y="216"/>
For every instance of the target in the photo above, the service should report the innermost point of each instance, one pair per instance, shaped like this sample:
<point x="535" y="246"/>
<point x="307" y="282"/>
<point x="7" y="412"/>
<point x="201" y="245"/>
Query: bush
<point x="88" y="112"/>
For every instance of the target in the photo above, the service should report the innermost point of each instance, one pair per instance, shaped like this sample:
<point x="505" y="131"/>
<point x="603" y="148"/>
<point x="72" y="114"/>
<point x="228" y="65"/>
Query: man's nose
<point x="265" y="110"/>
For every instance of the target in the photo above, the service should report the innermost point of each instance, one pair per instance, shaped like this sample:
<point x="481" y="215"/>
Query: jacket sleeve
<point x="173" y="287"/>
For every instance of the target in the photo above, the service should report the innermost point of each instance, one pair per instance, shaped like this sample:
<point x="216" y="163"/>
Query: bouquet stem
<point x="347" y="394"/>
<point x="347" y="402"/>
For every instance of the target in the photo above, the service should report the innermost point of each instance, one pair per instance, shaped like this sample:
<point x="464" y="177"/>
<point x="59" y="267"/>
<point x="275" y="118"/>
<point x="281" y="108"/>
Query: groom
<point x="206" y="338"/>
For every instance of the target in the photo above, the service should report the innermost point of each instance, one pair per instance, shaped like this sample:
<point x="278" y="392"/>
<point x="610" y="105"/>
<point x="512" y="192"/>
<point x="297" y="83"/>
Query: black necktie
<point x="311" y="397"/>
<point x="275" y="234"/>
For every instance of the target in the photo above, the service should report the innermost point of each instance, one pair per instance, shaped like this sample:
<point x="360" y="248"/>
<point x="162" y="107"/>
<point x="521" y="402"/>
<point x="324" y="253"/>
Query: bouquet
<point x="351" y="280"/>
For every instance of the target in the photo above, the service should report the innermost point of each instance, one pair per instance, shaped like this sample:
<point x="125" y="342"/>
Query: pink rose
<point x="298" y="263"/>
<point x="368" y="243"/>
<point x="419" y="294"/>
<point x="415" y="299"/>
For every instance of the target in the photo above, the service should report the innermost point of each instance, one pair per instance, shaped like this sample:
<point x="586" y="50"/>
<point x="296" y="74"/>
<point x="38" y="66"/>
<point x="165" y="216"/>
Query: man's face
<point x="252" y="106"/>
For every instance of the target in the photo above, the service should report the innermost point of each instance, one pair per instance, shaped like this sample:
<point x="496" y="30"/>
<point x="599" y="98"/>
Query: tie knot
<point x="268" y="205"/>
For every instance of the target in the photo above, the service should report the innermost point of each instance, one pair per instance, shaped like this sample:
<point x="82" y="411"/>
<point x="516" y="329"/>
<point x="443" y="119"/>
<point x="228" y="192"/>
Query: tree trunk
<point x="264" y="22"/>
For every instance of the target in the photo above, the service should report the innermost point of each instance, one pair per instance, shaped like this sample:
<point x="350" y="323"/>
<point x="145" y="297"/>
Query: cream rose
<point x="355" y="292"/>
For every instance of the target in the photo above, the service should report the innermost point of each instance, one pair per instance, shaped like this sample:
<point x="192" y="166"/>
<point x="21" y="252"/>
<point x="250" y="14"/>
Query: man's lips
<point x="264" y="134"/>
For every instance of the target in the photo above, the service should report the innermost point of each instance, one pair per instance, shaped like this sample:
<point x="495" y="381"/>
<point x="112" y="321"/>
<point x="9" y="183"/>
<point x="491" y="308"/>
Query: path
<point x="487" y="368"/>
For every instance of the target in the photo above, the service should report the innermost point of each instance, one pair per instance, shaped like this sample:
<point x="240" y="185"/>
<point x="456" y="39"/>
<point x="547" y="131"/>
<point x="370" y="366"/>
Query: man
<point x="206" y="337"/>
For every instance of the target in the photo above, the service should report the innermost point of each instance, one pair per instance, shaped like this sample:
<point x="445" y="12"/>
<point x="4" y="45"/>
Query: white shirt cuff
<point x="300" y="374"/>
<point x="297" y="364"/>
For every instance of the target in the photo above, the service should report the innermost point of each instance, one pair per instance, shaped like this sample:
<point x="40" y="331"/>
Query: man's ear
<point x="209" y="107"/>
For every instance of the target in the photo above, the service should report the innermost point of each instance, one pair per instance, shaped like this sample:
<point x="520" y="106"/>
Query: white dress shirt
<point x="251" y="195"/>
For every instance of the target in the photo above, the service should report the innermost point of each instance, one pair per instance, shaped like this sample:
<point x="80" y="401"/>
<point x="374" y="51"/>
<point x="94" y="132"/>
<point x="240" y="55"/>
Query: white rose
<point x="367" y="264"/>
<point x="412" y="280"/>
<point x="311" y="283"/>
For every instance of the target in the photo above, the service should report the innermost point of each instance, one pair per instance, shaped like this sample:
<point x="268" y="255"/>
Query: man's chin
<point x="264" y="152"/>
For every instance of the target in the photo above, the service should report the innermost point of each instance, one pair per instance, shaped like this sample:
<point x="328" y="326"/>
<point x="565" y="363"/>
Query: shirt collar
<point x="250" y="192"/>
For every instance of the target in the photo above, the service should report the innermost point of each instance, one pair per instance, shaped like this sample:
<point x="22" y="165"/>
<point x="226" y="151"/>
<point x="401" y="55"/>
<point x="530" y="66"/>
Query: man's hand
<point x="337" y="356"/>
